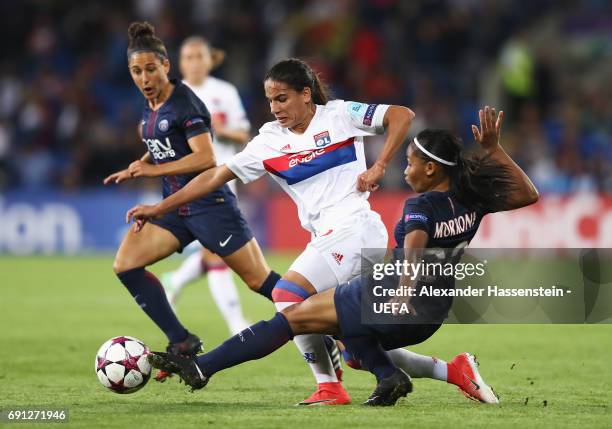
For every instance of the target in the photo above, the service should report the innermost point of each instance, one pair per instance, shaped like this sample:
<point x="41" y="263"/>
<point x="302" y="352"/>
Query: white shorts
<point x="335" y="258"/>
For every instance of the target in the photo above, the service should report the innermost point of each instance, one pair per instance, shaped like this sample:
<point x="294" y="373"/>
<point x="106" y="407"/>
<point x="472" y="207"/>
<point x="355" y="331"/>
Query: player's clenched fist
<point x="368" y="180"/>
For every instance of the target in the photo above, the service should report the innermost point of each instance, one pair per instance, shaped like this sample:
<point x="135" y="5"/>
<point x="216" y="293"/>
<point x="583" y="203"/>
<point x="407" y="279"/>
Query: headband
<point x="431" y="155"/>
<point x="155" y="51"/>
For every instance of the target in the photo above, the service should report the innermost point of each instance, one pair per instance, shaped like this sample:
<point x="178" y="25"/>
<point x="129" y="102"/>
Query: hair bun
<point x="137" y="30"/>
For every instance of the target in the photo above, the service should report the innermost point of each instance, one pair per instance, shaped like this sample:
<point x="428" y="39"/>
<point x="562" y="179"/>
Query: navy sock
<point x="254" y="342"/>
<point x="371" y="355"/>
<point x="150" y="296"/>
<point x="268" y="284"/>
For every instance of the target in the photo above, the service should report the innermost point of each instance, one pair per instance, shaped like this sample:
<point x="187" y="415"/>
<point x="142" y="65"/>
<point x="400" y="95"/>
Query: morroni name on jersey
<point x="455" y="226"/>
<point x="446" y="221"/>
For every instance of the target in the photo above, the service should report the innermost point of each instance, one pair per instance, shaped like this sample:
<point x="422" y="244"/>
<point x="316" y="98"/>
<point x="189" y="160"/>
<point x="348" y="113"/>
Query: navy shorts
<point x="347" y="300"/>
<point x="221" y="229"/>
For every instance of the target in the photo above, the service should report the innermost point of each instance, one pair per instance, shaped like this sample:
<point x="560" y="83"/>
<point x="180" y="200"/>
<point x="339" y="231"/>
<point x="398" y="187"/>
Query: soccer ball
<point x="121" y="364"/>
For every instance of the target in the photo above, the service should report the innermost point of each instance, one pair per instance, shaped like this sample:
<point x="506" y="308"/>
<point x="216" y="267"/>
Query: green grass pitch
<point x="56" y="311"/>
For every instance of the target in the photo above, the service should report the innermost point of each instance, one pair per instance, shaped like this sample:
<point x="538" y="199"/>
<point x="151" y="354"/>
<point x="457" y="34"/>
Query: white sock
<point x="190" y="269"/>
<point x="419" y="366"/>
<point x="312" y="347"/>
<point x="225" y="294"/>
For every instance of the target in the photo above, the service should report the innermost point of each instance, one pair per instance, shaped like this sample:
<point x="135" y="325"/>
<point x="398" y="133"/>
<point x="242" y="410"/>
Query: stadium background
<point x="68" y="108"/>
<point x="68" y="115"/>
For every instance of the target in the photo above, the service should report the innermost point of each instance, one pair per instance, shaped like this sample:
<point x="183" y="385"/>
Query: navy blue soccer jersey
<point x="165" y="132"/>
<point x="447" y="222"/>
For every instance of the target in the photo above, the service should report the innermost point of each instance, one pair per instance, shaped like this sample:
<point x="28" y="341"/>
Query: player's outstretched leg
<point x="462" y="371"/>
<point x="254" y="342"/>
<point x="317" y="314"/>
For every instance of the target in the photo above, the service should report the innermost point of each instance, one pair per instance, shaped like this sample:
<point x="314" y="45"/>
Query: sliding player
<point x="451" y="186"/>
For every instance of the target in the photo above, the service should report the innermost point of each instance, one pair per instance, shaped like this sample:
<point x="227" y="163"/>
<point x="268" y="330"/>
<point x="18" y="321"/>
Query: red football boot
<point x="328" y="394"/>
<point x="463" y="373"/>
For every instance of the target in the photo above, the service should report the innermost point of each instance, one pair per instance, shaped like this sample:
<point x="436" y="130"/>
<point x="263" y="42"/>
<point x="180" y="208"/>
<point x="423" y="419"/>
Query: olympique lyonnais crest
<point x="322" y="139"/>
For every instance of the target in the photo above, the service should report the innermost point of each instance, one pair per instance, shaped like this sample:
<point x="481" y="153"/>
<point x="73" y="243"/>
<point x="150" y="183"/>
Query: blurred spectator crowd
<point x="69" y="111"/>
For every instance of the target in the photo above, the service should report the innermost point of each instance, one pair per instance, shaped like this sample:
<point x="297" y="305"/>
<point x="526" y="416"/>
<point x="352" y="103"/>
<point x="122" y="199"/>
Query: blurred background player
<point x="450" y="186"/>
<point x="314" y="150"/>
<point x="175" y="127"/>
<point x="230" y="130"/>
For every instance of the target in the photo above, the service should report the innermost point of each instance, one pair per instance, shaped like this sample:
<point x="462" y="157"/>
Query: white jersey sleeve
<point x="248" y="164"/>
<point x="364" y="117"/>
<point x="236" y="115"/>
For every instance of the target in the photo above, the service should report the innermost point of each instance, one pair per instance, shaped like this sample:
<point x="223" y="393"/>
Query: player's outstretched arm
<point x="199" y="186"/>
<point x="397" y="122"/>
<point x="488" y="136"/>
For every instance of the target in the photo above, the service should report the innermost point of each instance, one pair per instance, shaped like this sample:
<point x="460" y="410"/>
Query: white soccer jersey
<point x="319" y="168"/>
<point x="224" y="104"/>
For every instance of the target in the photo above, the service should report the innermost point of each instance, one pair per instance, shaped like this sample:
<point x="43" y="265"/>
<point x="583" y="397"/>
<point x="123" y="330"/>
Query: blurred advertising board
<point x="91" y="221"/>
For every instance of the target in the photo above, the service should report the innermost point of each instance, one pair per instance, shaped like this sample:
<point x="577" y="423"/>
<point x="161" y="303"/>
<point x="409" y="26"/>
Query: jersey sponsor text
<point x="160" y="150"/>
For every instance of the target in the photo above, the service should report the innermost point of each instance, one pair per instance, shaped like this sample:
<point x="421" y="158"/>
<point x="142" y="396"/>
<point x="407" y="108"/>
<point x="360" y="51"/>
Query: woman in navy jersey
<point x="176" y="129"/>
<point x="455" y="193"/>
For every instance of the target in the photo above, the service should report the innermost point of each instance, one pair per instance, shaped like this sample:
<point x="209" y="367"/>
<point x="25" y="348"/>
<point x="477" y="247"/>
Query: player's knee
<point x="121" y="265"/>
<point x="118" y="266"/>
<point x="252" y="278"/>
<point x="254" y="282"/>
<point x="298" y="317"/>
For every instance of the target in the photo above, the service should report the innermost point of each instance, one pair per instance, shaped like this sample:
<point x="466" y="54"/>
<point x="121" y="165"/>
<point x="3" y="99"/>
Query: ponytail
<point x="480" y="183"/>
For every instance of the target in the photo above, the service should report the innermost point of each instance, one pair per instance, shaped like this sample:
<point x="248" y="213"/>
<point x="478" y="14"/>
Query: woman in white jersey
<point x="314" y="150"/>
<point x="230" y="131"/>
